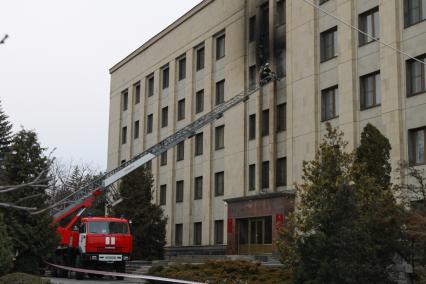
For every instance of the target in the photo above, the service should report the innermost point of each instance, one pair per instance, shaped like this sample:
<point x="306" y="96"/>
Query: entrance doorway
<point x="254" y="235"/>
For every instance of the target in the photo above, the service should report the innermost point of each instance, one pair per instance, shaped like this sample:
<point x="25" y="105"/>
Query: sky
<point x="54" y="76"/>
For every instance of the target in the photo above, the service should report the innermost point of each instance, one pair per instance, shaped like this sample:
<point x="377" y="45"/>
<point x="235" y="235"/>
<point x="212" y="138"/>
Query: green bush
<point x="22" y="278"/>
<point x="224" y="271"/>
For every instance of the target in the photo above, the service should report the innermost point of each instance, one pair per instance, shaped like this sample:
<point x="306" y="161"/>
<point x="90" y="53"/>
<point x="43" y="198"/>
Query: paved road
<point x="105" y="280"/>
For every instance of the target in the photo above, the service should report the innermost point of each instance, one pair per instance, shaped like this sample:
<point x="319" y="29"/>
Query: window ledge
<point x="367" y="43"/>
<point x="416" y="94"/>
<point x="328" y="119"/>
<point x="370" y="107"/>
<point x="328" y="59"/>
<point x="413" y="24"/>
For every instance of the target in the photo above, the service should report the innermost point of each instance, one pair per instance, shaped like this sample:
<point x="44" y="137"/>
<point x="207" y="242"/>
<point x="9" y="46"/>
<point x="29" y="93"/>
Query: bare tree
<point x="3" y="40"/>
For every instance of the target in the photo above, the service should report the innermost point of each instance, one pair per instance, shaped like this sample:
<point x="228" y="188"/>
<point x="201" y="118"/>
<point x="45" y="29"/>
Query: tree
<point x="348" y="226"/>
<point x="34" y="238"/>
<point x="5" y="138"/>
<point x="148" y="221"/>
<point x="6" y="253"/>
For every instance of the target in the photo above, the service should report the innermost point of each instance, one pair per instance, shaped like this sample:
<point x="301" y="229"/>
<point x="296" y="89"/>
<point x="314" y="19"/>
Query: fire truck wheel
<point x="79" y="264"/>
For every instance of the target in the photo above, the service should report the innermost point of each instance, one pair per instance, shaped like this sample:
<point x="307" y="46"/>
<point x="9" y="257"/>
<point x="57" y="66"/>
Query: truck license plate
<point x="110" y="257"/>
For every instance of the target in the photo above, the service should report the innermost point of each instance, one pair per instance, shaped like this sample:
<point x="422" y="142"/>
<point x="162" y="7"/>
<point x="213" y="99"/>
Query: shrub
<point x="22" y="278"/>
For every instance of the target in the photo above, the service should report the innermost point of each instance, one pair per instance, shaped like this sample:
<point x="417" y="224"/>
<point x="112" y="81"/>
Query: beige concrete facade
<point x="300" y="89"/>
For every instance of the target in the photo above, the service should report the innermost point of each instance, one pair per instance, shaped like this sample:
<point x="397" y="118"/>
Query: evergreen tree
<point x="148" y="221"/>
<point x="5" y="139"/>
<point x="6" y="253"/>
<point x="34" y="238"/>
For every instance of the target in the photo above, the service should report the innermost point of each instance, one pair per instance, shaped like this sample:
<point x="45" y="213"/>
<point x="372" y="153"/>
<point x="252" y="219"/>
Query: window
<point x="165" y="77"/>
<point x="252" y="29"/>
<point x="164" y="116"/>
<point x="280" y="58"/>
<point x="197" y="233"/>
<point x="265" y="122"/>
<point x="181" y="109"/>
<point x="137" y="90"/>
<point x="220" y="92"/>
<point x="200" y="58"/>
<point x="180" y="155"/>
<point x="417" y="153"/>
<point x="265" y="174"/>
<point x="281" y="117"/>
<point x="198" y="188"/>
<point x="220" y="137"/>
<point x="220" y="47"/>
<point x="179" y="191"/>
<point x="252" y="126"/>
<point x="280" y="12"/>
<point x="252" y="77"/>
<point x="219" y="184"/>
<point x="328" y="44"/>
<point x="122" y="162"/>
<point x="322" y="1"/>
<point x="149" y="122"/>
<point x="136" y="130"/>
<point x="124" y="100"/>
<point x="414" y="11"/>
<point x="163" y="192"/>
<point x="178" y="234"/>
<point x="281" y="174"/>
<point x="124" y="135"/>
<point x="329" y="103"/>
<point x="182" y="68"/>
<point x="370" y="90"/>
<point x="252" y="177"/>
<point x="199" y="144"/>
<point x="416" y="76"/>
<point x="369" y="23"/>
<point x="218" y="232"/>
<point x="163" y="159"/>
<point x="199" y="101"/>
<point x="151" y="86"/>
<point x="148" y="165"/>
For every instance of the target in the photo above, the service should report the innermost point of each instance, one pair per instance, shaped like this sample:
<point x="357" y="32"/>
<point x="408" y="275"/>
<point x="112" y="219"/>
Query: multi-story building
<point x="231" y="183"/>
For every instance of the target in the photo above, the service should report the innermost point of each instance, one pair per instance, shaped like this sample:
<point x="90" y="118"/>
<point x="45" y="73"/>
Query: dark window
<point x="280" y="58"/>
<point x="265" y="122"/>
<point x="180" y="155"/>
<point x="181" y="109"/>
<point x="219" y="183"/>
<point x="252" y="177"/>
<point x="281" y="117"/>
<point x="220" y="92"/>
<point x="268" y="230"/>
<point x="164" y="116"/>
<point x="122" y="161"/>
<point x="281" y="175"/>
<point x="151" y="86"/>
<point x="416" y="76"/>
<point x="199" y="101"/>
<point x="218" y="232"/>
<point x="328" y="44"/>
<point x="198" y="227"/>
<point x="252" y="29"/>
<point x="198" y="188"/>
<point x="178" y="234"/>
<point x="220" y="137"/>
<point x="322" y="1"/>
<point x="280" y="12"/>
<point x="165" y="77"/>
<point x="163" y="159"/>
<point x="252" y="77"/>
<point x="370" y="90"/>
<point x="329" y="103"/>
<point x="163" y="192"/>
<point x="124" y="100"/>
<point x="265" y="174"/>
<point x="200" y="58"/>
<point x="220" y="47"/>
<point x="179" y="191"/>
<point x="252" y="126"/>
<point x="199" y="144"/>
<point x="124" y="135"/>
<point x="369" y="23"/>
<point x="137" y="93"/>
<point x="182" y="68"/>
<point x="416" y="146"/>
<point x="149" y="122"/>
<point x="414" y="11"/>
<point x="136" y="130"/>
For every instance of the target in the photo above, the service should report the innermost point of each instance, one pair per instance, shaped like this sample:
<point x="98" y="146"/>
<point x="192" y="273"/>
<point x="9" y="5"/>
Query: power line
<point x="362" y="32"/>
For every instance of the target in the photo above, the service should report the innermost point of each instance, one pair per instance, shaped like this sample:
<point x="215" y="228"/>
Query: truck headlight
<point x="125" y="257"/>
<point x="94" y="257"/>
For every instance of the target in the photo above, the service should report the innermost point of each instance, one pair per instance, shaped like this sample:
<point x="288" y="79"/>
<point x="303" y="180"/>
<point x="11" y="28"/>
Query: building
<point x="232" y="183"/>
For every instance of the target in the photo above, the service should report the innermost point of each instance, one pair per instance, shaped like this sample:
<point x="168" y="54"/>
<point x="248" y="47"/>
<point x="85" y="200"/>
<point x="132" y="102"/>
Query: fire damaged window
<point x="280" y="12"/>
<point x="263" y="40"/>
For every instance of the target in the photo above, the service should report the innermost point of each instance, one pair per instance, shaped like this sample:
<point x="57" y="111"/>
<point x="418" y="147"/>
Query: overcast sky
<point x="54" y="66"/>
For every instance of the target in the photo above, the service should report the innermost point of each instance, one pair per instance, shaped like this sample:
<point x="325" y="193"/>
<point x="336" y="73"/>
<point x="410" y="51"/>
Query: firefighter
<point x="266" y="74"/>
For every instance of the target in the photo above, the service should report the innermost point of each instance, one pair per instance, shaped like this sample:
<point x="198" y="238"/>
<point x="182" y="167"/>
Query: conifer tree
<point x="148" y="221"/>
<point x="6" y="252"/>
<point x="5" y="138"/>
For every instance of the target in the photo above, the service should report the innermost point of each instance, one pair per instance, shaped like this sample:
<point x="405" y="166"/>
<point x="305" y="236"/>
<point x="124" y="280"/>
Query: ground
<point x="105" y="280"/>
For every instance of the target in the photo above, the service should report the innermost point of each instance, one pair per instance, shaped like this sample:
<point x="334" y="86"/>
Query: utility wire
<point x="362" y="32"/>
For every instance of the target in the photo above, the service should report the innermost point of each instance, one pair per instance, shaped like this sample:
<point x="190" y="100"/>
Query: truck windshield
<point x="108" y="228"/>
